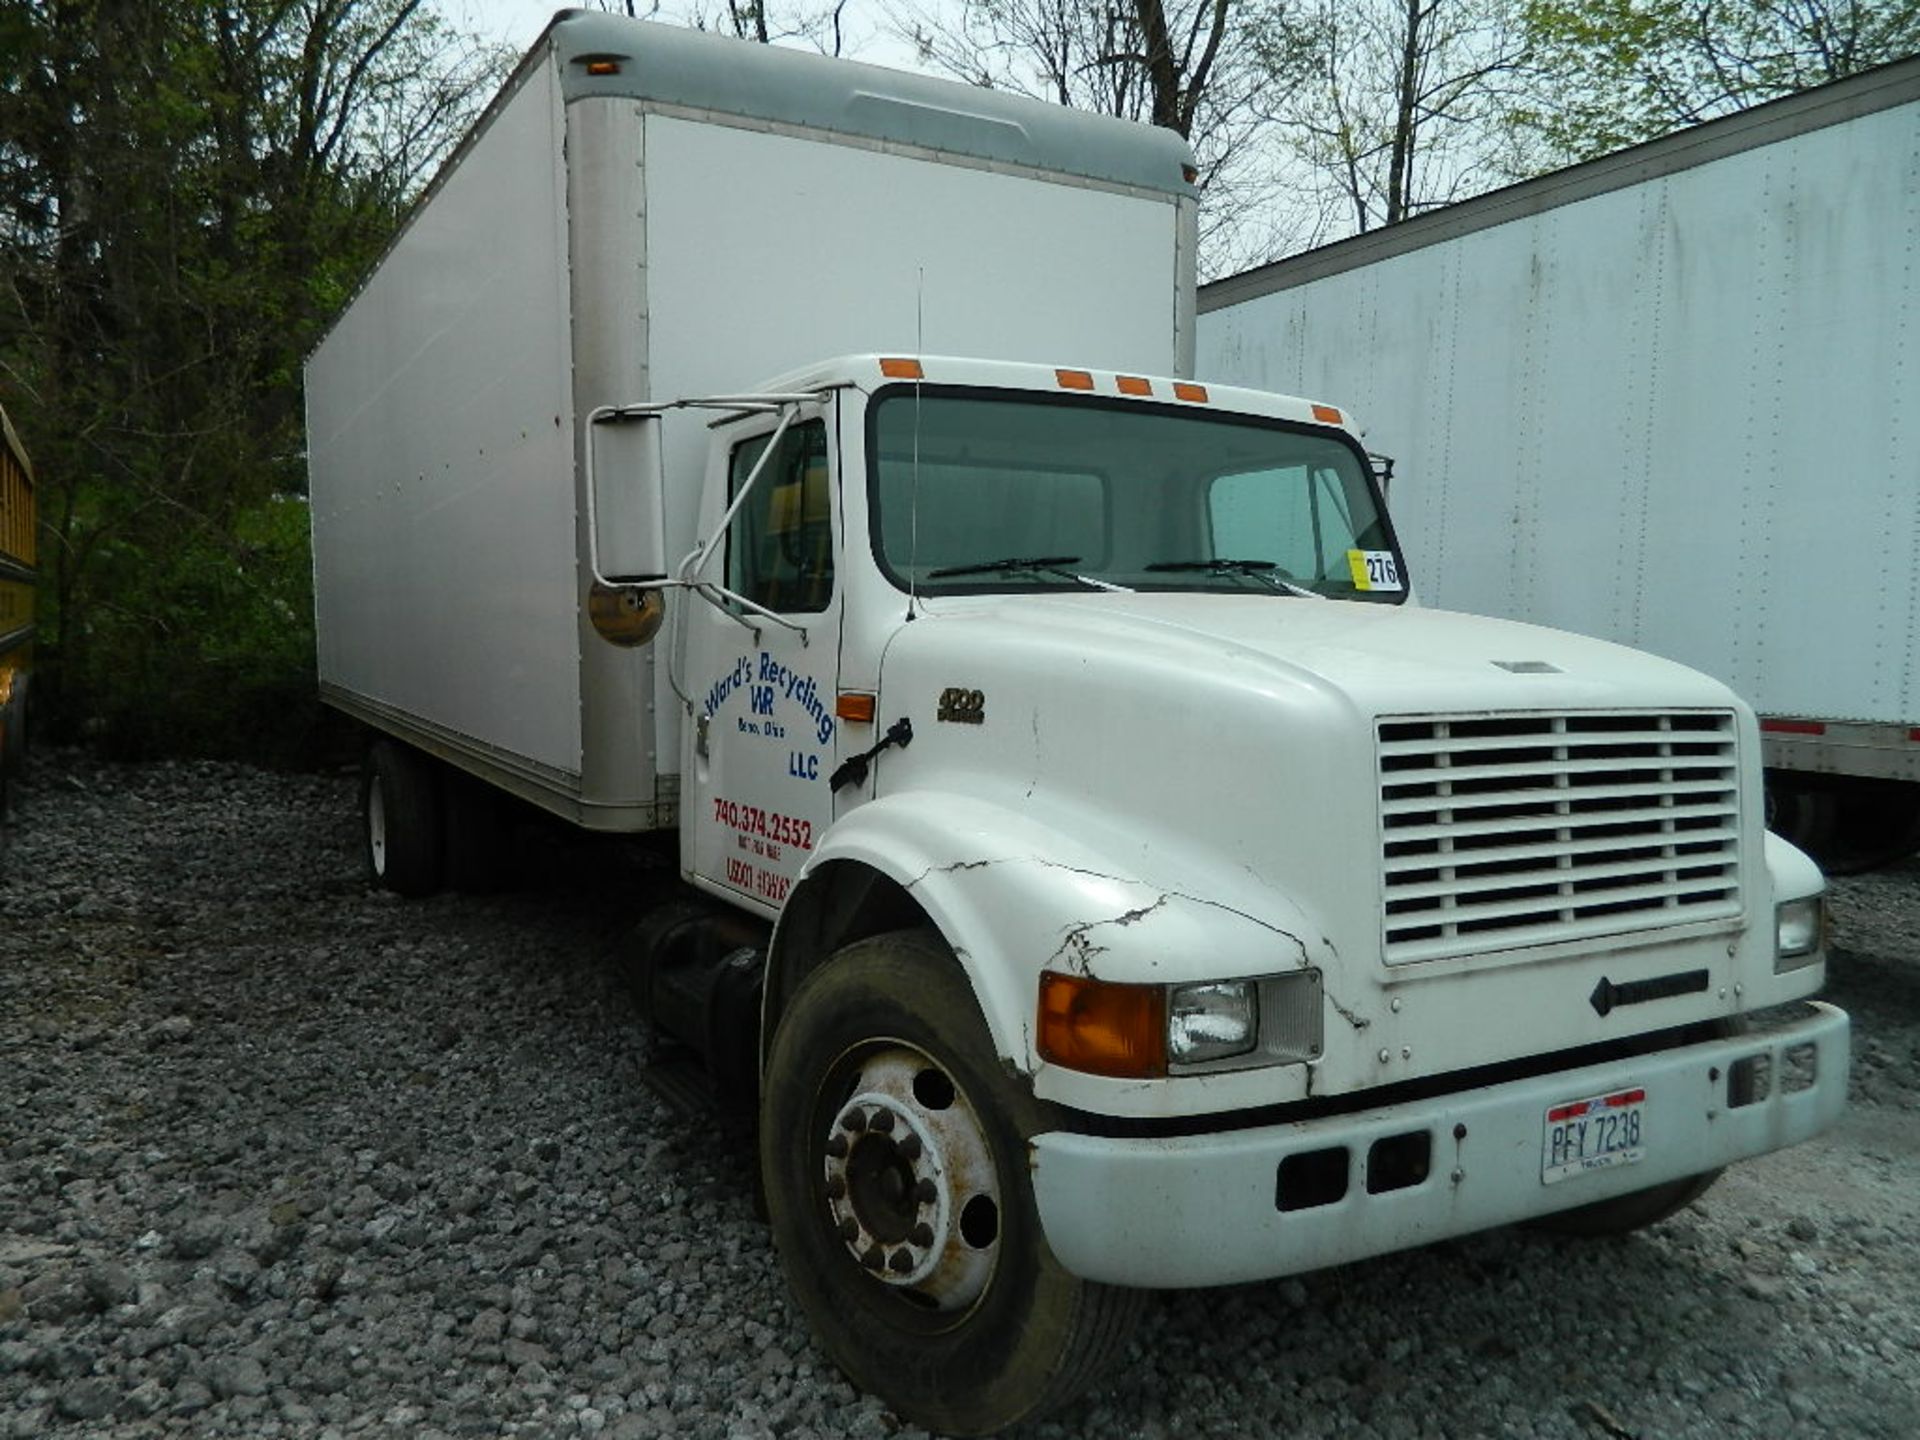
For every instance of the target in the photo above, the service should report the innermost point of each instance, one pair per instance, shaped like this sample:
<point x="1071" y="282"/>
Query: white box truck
<point x="1100" y="875"/>
<point x="1666" y="398"/>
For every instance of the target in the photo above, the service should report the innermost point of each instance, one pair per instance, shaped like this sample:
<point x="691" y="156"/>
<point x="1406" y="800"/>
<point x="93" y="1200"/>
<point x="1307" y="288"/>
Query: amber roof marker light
<point x="902" y="369"/>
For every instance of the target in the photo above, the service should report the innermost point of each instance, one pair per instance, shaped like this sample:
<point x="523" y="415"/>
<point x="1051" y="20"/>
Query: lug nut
<point x="926" y="1192"/>
<point x="849" y="1229"/>
<point x="854" y="1120"/>
<point x="871" y="1257"/>
<point x="883" y="1122"/>
<point x="900" y="1262"/>
<point x="837" y="1147"/>
<point x="909" y="1147"/>
<point x="922" y="1235"/>
<point x="836" y="1186"/>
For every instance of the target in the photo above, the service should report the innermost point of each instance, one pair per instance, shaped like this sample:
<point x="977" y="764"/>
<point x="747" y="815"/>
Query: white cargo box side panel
<point x="441" y="430"/>
<point x="1671" y="415"/>
<point x="767" y="252"/>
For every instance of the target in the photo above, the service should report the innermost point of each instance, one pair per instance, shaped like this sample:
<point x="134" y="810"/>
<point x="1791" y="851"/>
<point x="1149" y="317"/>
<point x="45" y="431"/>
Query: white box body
<point x="711" y="216"/>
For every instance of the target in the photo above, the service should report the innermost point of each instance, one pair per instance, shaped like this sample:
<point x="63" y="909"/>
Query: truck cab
<point x="1081" y="740"/>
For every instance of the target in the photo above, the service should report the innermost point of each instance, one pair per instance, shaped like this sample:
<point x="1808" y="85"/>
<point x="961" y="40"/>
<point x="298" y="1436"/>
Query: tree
<point x="1391" y="107"/>
<point x="1181" y="64"/>
<point x="1632" y="70"/>
<point x="188" y="191"/>
<point x="821" y="27"/>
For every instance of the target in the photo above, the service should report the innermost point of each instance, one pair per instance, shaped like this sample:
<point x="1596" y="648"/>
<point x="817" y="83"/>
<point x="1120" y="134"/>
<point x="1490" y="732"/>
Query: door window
<point x="780" y="546"/>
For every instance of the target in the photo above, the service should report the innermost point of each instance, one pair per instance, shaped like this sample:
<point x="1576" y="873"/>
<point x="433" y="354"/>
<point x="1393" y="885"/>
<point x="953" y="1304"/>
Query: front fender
<point x="1013" y="895"/>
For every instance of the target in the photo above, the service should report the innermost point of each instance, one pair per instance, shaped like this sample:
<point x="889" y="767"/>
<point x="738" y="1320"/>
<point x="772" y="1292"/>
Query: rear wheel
<point x="1848" y="824"/>
<point x="1877" y="823"/>
<point x="1803" y="813"/>
<point x="893" y="1149"/>
<point x="401" y="810"/>
<point x="477" y="853"/>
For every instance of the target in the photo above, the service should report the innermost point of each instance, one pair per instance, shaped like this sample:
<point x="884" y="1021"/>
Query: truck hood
<point x="1382" y="659"/>
<point x="1230" y="755"/>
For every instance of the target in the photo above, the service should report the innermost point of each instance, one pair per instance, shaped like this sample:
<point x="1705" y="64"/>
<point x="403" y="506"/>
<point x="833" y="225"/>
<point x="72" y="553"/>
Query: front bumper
<point x="1203" y="1209"/>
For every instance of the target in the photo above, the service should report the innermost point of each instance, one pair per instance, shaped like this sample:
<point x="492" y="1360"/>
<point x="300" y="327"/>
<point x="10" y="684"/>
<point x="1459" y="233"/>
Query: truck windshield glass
<point x="1142" y="497"/>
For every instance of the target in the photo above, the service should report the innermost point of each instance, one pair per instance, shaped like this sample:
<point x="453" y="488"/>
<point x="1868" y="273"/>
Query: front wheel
<point x="893" y="1148"/>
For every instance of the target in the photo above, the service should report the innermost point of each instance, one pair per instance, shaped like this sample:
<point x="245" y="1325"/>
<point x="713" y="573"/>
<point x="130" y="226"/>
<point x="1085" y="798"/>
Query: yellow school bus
<point x="17" y="578"/>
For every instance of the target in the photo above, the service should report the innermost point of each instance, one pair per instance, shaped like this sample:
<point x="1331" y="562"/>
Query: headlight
<point x="1212" y="1022"/>
<point x="1105" y="1027"/>
<point x="1800" y="933"/>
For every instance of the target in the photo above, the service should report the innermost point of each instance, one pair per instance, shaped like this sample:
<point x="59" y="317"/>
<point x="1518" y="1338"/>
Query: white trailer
<point x="1666" y="398"/>
<point x="1099" y="874"/>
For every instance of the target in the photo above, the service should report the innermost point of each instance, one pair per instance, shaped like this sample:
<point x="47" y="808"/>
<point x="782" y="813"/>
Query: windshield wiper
<point x="1045" y="564"/>
<point x="1254" y="569"/>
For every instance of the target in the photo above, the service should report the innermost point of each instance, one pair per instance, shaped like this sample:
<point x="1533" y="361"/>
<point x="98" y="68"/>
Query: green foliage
<point x="188" y="190"/>
<point x="1622" y="71"/>
<point x="202" y="643"/>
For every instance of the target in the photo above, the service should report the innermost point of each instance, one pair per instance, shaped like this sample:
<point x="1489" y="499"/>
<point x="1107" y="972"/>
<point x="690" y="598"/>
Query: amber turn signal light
<point x="1103" y="1028"/>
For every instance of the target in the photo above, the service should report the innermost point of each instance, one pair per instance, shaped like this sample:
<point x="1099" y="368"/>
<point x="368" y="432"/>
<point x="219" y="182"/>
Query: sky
<point x="519" y="22"/>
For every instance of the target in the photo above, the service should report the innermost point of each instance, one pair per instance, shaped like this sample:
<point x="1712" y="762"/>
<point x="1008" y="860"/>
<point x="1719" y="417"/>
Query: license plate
<point x="1593" y="1134"/>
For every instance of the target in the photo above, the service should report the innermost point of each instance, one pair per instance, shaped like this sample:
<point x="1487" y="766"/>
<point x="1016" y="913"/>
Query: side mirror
<point x="624" y="518"/>
<point x="1382" y="470"/>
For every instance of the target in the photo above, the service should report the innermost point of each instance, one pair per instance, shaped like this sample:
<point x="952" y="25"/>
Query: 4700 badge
<point x="1593" y="1134"/>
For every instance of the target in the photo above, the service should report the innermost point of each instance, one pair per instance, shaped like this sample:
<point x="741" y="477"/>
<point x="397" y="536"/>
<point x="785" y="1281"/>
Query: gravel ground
<point x="280" y="1155"/>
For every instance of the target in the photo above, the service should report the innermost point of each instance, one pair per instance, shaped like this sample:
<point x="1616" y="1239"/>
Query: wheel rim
<point x="911" y="1188"/>
<point x="377" y="826"/>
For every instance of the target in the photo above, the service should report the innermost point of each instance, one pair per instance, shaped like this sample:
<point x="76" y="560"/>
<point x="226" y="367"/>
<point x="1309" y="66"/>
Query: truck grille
<point x="1501" y="831"/>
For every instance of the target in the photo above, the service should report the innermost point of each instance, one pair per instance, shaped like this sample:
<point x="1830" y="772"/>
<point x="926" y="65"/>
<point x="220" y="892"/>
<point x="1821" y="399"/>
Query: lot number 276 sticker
<point x="1374" y="570"/>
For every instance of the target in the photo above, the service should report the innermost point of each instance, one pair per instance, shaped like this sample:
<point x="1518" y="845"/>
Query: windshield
<point x="981" y="490"/>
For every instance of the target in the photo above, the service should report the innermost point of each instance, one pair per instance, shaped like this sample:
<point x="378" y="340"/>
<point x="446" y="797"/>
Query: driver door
<point x="763" y="733"/>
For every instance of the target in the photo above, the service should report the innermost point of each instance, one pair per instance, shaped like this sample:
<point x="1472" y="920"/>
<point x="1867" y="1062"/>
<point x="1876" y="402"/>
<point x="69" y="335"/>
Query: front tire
<point x="893" y="1150"/>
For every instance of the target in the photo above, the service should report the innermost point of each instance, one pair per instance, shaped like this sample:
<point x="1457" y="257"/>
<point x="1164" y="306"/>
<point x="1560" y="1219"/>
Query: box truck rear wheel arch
<point x="403" y="821"/>
<point x="893" y="1148"/>
<point x="1640" y="1208"/>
